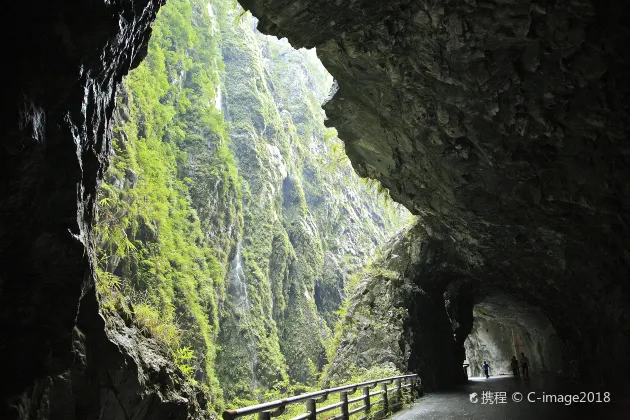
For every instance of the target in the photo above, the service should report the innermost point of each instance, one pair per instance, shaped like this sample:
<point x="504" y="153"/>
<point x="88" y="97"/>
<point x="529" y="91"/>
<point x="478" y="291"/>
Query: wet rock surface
<point x="63" y="61"/>
<point x="502" y="124"/>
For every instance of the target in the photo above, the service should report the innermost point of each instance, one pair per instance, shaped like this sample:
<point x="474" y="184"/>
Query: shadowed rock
<point x="503" y="125"/>
<point x="63" y="62"/>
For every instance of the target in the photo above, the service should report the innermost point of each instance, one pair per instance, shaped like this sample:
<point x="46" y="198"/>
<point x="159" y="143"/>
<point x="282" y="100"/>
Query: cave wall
<point x="504" y="327"/>
<point x="497" y="340"/>
<point x="505" y="123"/>
<point x="492" y="342"/>
<point x="116" y="373"/>
<point x="63" y="62"/>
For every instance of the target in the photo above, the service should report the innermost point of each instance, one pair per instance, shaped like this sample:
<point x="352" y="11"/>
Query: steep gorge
<point x="230" y="219"/>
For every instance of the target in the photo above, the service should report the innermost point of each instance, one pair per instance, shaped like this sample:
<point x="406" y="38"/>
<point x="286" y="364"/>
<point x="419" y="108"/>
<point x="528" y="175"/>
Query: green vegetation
<point x="230" y="219"/>
<point x="354" y="376"/>
<point x="171" y="165"/>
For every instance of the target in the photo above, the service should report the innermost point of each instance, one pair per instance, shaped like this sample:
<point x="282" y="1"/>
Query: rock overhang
<point x="503" y="125"/>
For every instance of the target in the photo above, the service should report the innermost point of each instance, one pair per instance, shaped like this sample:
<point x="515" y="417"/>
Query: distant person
<point x="514" y="364"/>
<point x="525" y="366"/>
<point x="486" y="367"/>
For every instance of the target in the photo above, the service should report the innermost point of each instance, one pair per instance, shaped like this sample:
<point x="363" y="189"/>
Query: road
<point x="457" y="404"/>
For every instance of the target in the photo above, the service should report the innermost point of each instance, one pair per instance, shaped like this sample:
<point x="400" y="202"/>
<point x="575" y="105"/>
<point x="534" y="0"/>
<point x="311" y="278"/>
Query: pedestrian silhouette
<point x="525" y="366"/>
<point x="514" y="364"/>
<point x="486" y="367"/>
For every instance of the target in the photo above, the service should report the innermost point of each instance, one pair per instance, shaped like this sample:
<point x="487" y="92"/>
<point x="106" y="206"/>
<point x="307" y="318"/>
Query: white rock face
<point x="502" y="330"/>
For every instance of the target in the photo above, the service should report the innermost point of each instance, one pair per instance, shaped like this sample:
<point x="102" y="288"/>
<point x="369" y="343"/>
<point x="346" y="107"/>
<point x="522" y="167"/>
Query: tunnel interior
<point x="504" y="327"/>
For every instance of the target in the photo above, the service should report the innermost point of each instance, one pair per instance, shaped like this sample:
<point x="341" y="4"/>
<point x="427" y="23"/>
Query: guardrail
<point x="276" y="408"/>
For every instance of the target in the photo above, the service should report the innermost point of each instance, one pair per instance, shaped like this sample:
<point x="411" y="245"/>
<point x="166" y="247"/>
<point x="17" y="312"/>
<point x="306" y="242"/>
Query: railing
<point x="276" y="408"/>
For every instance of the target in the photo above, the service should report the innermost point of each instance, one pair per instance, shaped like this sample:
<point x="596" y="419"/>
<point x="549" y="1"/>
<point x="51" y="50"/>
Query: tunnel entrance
<point x="504" y="327"/>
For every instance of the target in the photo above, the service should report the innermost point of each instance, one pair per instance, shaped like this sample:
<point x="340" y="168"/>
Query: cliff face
<point x="308" y="221"/>
<point x="230" y="218"/>
<point x="401" y="316"/>
<point x="503" y="123"/>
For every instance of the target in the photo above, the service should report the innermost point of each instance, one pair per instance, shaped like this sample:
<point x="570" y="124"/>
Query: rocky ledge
<point x="117" y="373"/>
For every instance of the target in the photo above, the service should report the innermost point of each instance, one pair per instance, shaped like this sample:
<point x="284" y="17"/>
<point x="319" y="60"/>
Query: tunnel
<point x="502" y="125"/>
<point x="439" y="314"/>
<point x="504" y="328"/>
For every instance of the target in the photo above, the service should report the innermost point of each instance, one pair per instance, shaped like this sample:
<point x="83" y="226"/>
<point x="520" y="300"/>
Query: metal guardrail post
<point x="264" y="415"/>
<point x="311" y="407"/>
<point x="385" y="399"/>
<point x="398" y="390"/>
<point x="366" y="399"/>
<point x="343" y="397"/>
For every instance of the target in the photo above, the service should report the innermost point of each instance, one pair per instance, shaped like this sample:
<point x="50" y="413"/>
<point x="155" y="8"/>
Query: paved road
<point x="456" y="404"/>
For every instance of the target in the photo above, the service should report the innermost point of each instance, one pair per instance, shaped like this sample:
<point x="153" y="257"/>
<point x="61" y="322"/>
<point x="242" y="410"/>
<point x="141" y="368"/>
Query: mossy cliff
<point x="230" y="219"/>
<point x="406" y="312"/>
<point x="308" y="219"/>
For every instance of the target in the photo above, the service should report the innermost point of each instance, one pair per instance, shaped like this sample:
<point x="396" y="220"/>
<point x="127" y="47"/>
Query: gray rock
<point x="535" y="95"/>
<point x="57" y="361"/>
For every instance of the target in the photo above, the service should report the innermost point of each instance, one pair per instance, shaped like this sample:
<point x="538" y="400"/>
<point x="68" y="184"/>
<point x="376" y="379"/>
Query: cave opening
<point x="230" y="219"/>
<point x="514" y="143"/>
<point x="504" y="327"/>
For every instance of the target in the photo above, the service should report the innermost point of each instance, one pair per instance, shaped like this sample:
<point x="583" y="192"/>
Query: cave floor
<point x="457" y="405"/>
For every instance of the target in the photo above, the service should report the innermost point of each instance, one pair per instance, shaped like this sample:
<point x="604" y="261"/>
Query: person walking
<point x="525" y="366"/>
<point x="514" y="365"/>
<point x="486" y="368"/>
